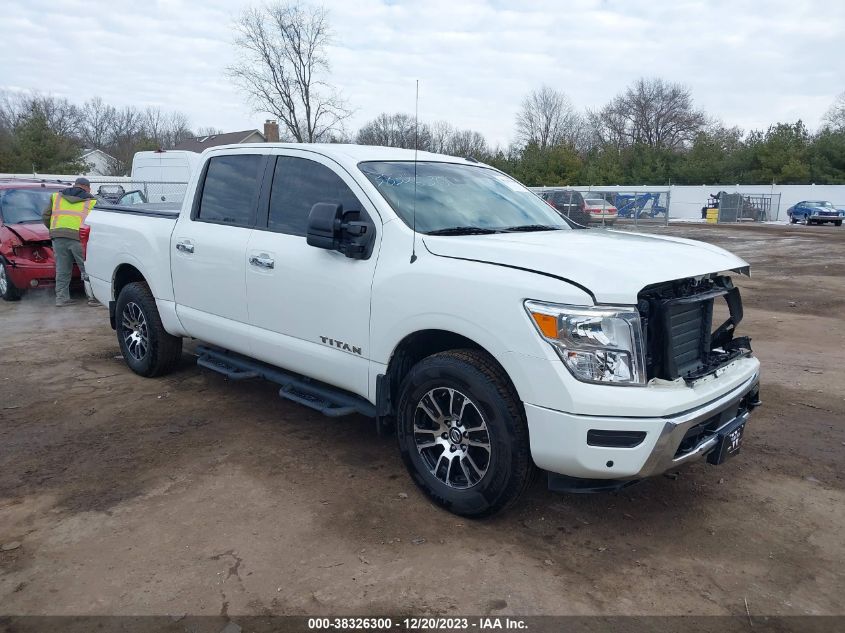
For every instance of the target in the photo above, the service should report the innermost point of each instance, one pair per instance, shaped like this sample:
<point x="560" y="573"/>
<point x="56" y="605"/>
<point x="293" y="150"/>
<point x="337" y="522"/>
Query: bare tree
<point x="547" y="118"/>
<point x="282" y="68"/>
<point x="97" y="123"/>
<point x="441" y="132"/>
<point x="652" y="112"/>
<point x="467" y="143"/>
<point x="62" y="116"/>
<point x="834" y="118"/>
<point x="208" y="131"/>
<point x="395" y="130"/>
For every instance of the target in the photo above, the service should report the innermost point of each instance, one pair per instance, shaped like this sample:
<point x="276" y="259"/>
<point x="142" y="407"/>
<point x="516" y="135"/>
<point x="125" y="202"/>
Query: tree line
<point x="649" y="133"/>
<point x="48" y="134"/>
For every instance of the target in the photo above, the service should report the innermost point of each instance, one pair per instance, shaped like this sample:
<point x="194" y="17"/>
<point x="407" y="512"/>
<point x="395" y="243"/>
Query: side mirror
<point x="332" y="228"/>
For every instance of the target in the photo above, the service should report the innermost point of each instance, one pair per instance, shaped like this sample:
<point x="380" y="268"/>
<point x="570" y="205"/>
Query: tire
<point x="471" y="386"/>
<point x="8" y="290"/>
<point x="793" y="219"/>
<point x="837" y="222"/>
<point x="146" y="347"/>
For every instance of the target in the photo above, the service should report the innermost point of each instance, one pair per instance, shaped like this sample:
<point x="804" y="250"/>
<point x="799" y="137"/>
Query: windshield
<point x="821" y="203"/>
<point x="454" y="197"/>
<point x="20" y="206"/>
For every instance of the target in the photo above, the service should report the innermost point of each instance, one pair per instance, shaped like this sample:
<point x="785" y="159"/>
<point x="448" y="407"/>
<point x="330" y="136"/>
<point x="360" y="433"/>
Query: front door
<point x="208" y="251"/>
<point x="310" y="306"/>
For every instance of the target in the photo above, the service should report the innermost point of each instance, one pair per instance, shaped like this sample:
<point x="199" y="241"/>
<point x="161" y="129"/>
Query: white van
<point x="164" y="165"/>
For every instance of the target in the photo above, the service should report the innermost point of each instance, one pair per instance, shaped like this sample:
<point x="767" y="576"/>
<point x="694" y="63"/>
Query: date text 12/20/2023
<point x="417" y="624"/>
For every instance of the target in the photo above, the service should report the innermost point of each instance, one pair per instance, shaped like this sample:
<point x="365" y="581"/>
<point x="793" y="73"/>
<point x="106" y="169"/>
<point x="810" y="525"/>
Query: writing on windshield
<point x="449" y="195"/>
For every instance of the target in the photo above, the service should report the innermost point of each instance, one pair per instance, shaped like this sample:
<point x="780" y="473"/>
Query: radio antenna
<point x="416" y="149"/>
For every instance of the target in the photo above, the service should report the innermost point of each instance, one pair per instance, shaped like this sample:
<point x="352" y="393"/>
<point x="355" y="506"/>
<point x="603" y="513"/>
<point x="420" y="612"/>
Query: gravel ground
<point x="188" y="494"/>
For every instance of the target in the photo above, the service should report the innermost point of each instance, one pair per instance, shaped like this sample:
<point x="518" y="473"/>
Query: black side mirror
<point x="332" y="228"/>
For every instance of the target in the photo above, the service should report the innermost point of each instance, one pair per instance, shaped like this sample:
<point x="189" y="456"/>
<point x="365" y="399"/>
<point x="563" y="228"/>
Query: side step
<point x="230" y="371"/>
<point x="321" y="397"/>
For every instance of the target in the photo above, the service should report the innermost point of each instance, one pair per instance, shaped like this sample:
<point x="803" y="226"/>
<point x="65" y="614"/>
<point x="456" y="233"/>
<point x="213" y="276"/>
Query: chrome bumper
<point x="664" y="455"/>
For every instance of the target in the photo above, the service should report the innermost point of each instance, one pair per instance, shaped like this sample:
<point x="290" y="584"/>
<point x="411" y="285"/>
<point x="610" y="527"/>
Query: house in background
<point x="97" y="162"/>
<point x="200" y="143"/>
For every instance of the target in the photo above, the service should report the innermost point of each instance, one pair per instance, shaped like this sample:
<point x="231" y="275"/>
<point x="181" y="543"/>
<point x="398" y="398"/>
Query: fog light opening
<point x="33" y="283"/>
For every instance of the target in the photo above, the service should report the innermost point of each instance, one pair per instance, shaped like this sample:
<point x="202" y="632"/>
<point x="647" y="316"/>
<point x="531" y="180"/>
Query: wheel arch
<point x="416" y="346"/>
<point x="124" y="274"/>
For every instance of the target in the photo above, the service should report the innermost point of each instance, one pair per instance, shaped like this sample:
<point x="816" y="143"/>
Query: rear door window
<point x="299" y="184"/>
<point x="230" y="189"/>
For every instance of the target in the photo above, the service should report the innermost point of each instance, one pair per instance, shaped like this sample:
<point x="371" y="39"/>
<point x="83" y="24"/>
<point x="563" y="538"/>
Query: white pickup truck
<point x="442" y="298"/>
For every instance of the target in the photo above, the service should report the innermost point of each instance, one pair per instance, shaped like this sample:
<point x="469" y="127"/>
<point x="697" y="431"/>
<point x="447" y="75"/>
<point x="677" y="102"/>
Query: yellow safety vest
<point x="69" y="215"/>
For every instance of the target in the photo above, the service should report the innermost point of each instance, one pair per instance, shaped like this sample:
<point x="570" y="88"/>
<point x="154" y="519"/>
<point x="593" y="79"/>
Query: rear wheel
<point x="462" y="433"/>
<point x="146" y="346"/>
<point x="8" y="290"/>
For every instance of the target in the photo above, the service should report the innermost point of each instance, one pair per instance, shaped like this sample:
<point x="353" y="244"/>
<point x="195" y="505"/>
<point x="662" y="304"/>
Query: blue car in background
<point x="815" y="212"/>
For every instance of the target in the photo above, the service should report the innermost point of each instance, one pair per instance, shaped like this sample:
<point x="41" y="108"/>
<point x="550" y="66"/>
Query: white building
<point x="97" y="162"/>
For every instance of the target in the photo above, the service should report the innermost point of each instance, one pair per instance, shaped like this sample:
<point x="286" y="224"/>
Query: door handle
<point x="185" y="247"/>
<point x="262" y="261"/>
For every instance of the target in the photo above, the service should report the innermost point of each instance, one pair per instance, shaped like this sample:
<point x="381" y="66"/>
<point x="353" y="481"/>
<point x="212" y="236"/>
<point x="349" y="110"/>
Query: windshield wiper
<point x="463" y="230"/>
<point x="525" y="228"/>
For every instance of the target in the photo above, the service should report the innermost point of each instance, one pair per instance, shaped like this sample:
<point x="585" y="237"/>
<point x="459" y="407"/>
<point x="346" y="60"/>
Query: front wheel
<point x="462" y="433"/>
<point x="837" y="222"/>
<point x="146" y="346"/>
<point x="8" y="290"/>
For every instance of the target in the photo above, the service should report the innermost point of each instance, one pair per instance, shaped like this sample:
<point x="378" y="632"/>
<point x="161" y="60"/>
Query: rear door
<point x="208" y="250"/>
<point x="310" y="307"/>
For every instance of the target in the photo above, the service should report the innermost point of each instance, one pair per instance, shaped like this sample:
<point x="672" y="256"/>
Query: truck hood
<point x="30" y="232"/>
<point x="613" y="266"/>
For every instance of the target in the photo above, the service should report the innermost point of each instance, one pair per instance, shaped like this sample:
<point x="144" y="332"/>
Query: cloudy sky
<point x="748" y="63"/>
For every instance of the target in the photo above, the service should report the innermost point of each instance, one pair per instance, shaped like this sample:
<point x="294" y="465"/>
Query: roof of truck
<point x="351" y="152"/>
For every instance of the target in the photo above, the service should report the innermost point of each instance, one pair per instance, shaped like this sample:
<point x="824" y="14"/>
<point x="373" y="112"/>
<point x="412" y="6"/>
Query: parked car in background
<point x="815" y="212"/>
<point x="26" y="253"/>
<point x="569" y="203"/>
<point x="600" y="211"/>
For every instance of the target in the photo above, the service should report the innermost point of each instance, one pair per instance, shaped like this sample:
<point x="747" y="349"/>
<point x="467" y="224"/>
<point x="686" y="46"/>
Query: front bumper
<point x="559" y="440"/>
<point x="825" y="218"/>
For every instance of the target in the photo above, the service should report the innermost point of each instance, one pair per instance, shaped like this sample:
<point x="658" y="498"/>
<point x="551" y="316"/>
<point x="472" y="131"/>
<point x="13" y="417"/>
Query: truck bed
<point x="138" y="236"/>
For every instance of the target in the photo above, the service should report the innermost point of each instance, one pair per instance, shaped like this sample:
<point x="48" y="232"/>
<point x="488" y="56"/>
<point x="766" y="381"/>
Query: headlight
<point x="603" y="344"/>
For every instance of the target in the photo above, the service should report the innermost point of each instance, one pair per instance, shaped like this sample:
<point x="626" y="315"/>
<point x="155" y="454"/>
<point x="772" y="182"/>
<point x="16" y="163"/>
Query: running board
<point x="321" y="397"/>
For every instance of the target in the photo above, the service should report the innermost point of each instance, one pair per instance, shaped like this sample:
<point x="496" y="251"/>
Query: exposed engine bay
<point x="677" y="321"/>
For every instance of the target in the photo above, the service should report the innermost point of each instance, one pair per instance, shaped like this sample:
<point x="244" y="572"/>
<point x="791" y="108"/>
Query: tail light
<point x="84" y="236"/>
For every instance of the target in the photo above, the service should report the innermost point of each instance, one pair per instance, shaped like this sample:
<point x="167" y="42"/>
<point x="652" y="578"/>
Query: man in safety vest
<point x="66" y="213"/>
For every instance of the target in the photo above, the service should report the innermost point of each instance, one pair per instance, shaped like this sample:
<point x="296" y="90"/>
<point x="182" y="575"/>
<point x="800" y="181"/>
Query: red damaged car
<point x="26" y="254"/>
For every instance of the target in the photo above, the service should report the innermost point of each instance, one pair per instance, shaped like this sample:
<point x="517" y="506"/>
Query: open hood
<point x="613" y="265"/>
<point x="30" y="232"/>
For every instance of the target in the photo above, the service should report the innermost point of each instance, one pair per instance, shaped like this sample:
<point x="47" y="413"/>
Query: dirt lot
<point x="187" y="494"/>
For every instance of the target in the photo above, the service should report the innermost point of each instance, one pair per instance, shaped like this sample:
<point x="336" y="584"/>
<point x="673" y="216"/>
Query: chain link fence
<point x="131" y="192"/>
<point x="741" y="207"/>
<point x="595" y="207"/>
